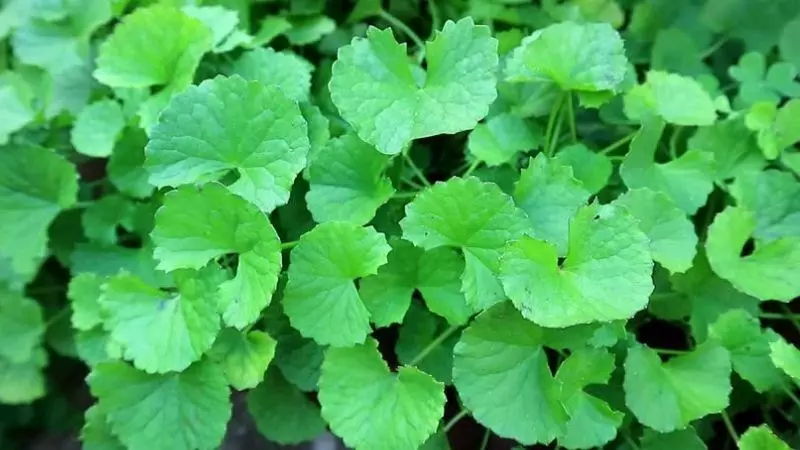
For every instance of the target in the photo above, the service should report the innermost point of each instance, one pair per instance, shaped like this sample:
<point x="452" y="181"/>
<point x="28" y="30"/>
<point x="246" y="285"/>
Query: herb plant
<point x="569" y="223"/>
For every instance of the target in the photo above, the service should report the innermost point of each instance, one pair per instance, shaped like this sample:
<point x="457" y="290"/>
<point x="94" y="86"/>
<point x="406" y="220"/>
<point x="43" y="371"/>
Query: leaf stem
<point x="57" y="316"/>
<point x="452" y="422"/>
<point x="791" y="317"/>
<point x="405" y="194"/>
<point x="288" y="245"/>
<point x="551" y="121"/>
<point x="729" y="426"/>
<point x="629" y="440"/>
<point x="433" y="344"/>
<point x="791" y="395"/>
<point x="471" y="168"/>
<point x="669" y="351"/>
<point x="552" y="143"/>
<point x="485" y="441"/>
<point x="714" y="47"/>
<point x="617" y="144"/>
<point x="397" y="23"/>
<point x="573" y="129"/>
<point x="82" y="205"/>
<point x="779" y="316"/>
<point x="416" y="170"/>
<point x="673" y="141"/>
<point x="436" y="19"/>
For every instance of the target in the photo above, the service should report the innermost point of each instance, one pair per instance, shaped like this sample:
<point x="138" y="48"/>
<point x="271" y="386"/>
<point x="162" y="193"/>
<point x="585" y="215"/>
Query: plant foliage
<point x="572" y="223"/>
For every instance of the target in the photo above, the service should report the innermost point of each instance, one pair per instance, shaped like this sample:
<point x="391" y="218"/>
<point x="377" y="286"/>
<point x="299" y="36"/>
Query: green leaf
<point x="732" y="146"/>
<point x="222" y="23"/>
<point x="282" y="413"/>
<point x="243" y="127"/>
<point x="761" y="438"/>
<point x="22" y="383"/>
<point x="434" y="273"/>
<point x="321" y="299"/>
<point x="498" y="140"/>
<point x="199" y="224"/>
<point x="96" y="433"/>
<point x="757" y="84"/>
<point x="686" y="439"/>
<point x="126" y="165"/>
<point x="606" y="275"/>
<point x="667" y="396"/>
<point x="437" y="218"/>
<point x="298" y="358"/>
<point x="709" y="296"/>
<point x="286" y="70"/>
<point x="687" y="180"/>
<point x="309" y="29"/>
<point x="243" y="356"/>
<point x="420" y="328"/>
<point x="777" y="129"/>
<point x="17" y="100"/>
<point x="84" y="293"/>
<point x="347" y="181"/>
<point x="501" y="373"/>
<point x="23" y="327"/>
<point x="774" y="197"/>
<point x="550" y="196"/>
<point x="789" y="36"/>
<point x="592" y="422"/>
<point x="769" y="272"/>
<point x="97" y="128"/>
<point x="161" y="331"/>
<point x="370" y="407"/>
<point x="157" y="45"/>
<point x="35" y="185"/>
<point x="673" y="98"/>
<point x="588" y="58"/>
<point x="749" y="345"/>
<point x="592" y="169"/>
<point x="390" y="102"/>
<point x="672" y="239"/>
<point x="173" y="411"/>
<point x="102" y="218"/>
<point x="786" y="357"/>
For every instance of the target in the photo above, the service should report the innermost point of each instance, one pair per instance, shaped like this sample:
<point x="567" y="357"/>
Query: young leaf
<point x="588" y="58"/>
<point x="672" y="239"/>
<point x="347" y="181"/>
<point x="321" y="299"/>
<point x="84" y="293"/>
<point x="282" y="413"/>
<point x="761" y="438"/>
<point x="370" y="407"/>
<point x="673" y="98"/>
<point x="157" y="45"/>
<point x="199" y="224"/>
<point x="667" y="396"/>
<point x="687" y="180"/>
<point x="244" y="356"/>
<point x="592" y="169"/>
<point x="550" y="196"/>
<point x="97" y="128"/>
<point x="592" y="422"/>
<point x="607" y="273"/>
<point x="769" y="273"/>
<point x="173" y="411"/>
<point x="390" y="103"/>
<point x="230" y="125"/>
<point x="161" y="331"/>
<point x="35" y="185"/>
<point x="501" y="373"/>
<point x="501" y="137"/>
<point x="774" y="197"/>
<point x="23" y="327"/>
<point x="741" y="334"/>
<point x="286" y="70"/>
<point x="435" y="273"/>
<point x="437" y="218"/>
<point x="786" y="357"/>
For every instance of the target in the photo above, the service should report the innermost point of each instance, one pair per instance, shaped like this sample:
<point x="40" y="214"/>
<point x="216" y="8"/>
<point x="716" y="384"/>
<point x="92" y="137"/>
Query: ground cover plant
<point x="414" y="224"/>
